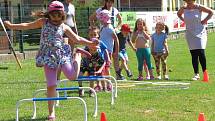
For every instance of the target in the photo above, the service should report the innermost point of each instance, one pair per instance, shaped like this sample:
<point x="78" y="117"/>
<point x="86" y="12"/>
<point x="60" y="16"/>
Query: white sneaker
<point x="159" y="77"/>
<point x="196" y="77"/>
<point x="148" y="78"/>
<point x="166" y="77"/>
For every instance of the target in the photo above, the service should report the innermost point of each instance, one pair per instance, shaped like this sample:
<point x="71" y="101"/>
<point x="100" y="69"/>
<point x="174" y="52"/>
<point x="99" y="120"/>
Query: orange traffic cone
<point x="103" y="117"/>
<point x="201" y="117"/>
<point x="205" y="76"/>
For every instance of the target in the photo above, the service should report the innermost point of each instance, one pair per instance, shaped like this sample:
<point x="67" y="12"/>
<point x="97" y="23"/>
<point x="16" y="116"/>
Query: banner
<point x="169" y="18"/>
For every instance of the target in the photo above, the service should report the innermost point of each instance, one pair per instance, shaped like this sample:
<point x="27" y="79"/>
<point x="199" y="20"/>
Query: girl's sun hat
<point x="104" y="16"/>
<point x="55" y="5"/>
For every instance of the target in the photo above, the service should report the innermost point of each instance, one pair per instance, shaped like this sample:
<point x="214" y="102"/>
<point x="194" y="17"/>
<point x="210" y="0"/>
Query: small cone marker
<point x="201" y="117"/>
<point x="103" y="117"/>
<point x="205" y="76"/>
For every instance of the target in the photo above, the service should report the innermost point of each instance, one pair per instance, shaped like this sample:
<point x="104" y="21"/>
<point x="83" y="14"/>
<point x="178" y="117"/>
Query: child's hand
<point x="167" y="52"/>
<point x="7" y="24"/>
<point x="135" y="49"/>
<point x="95" y="42"/>
<point x="153" y="53"/>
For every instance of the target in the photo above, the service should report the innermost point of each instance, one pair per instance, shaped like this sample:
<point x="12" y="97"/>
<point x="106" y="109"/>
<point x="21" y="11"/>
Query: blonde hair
<point x="144" y="24"/>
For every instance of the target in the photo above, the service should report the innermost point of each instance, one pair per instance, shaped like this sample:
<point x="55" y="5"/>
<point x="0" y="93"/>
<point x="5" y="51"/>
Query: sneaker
<point x="148" y="78"/>
<point x="109" y="87"/>
<point x="129" y="74"/>
<point x="81" y="92"/>
<point x="140" y="78"/>
<point x="159" y="78"/>
<point x="152" y="77"/>
<point x="196" y="77"/>
<point x="91" y="94"/>
<point x="119" y="75"/>
<point x="51" y="118"/>
<point x="120" y="78"/>
<point x="98" y="88"/>
<point x="166" y="77"/>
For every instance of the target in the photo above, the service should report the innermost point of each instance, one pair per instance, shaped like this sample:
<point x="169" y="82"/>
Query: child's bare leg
<point x="71" y="71"/>
<point x="146" y="70"/>
<point x="51" y="77"/>
<point x="51" y="92"/>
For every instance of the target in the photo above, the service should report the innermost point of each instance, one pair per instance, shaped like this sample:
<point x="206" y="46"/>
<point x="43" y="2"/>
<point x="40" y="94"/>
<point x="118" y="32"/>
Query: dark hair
<point x="105" y="6"/>
<point x="42" y="14"/>
<point x="91" y="28"/>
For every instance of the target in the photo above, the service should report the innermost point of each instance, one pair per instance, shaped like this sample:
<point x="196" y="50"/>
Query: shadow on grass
<point x="29" y="119"/>
<point x="180" y="80"/>
<point x="3" y="68"/>
<point x="23" y="82"/>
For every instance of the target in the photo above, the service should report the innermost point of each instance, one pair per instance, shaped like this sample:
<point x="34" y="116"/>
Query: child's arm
<point x="116" y="44"/>
<point x="24" y="26"/>
<point x="134" y="37"/>
<point x="166" y="47"/>
<point x="107" y="62"/>
<point x="146" y="35"/>
<point x="77" y="39"/>
<point x="152" y="46"/>
<point x="132" y="46"/>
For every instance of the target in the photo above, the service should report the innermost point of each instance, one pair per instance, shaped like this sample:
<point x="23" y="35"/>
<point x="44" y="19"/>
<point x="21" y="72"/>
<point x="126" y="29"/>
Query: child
<point x="124" y="37"/>
<point x="159" y="49"/>
<point x="96" y="64"/>
<point x="108" y="37"/>
<point x="51" y="54"/>
<point x="141" y="38"/>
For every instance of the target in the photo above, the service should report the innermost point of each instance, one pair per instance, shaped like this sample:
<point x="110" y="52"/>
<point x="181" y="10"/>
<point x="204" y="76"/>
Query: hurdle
<point x="49" y="99"/>
<point x="65" y="95"/>
<point x="111" y="77"/>
<point x="96" y="78"/>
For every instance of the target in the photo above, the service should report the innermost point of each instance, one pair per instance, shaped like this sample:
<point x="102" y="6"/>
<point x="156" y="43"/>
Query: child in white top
<point x="141" y="39"/>
<point x="108" y="37"/>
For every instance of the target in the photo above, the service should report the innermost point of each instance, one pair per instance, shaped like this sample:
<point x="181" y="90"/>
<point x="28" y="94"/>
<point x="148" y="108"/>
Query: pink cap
<point x="55" y="5"/>
<point x="104" y="16"/>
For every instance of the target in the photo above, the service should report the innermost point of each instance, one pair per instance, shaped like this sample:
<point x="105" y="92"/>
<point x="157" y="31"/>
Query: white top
<point x="70" y="13"/>
<point x="107" y="38"/>
<point x="196" y="33"/>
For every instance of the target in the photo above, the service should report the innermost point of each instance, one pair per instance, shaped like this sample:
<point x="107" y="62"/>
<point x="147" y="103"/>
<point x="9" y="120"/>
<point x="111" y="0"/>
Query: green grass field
<point x="138" y="103"/>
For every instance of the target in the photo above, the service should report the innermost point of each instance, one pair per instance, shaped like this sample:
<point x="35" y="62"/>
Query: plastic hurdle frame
<point x="97" y="78"/>
<point x="48" y="99"/>
<point x="111" y="77"/>
<point x="65" y="95"/>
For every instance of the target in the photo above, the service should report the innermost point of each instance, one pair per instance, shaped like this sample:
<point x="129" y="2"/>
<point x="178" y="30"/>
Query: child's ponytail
<point x="166" y="28"/>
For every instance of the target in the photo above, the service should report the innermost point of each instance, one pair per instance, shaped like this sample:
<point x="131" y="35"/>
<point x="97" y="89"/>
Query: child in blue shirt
<point x="159" y="49"/>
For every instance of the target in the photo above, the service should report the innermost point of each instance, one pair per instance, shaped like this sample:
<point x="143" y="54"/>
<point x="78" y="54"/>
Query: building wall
<point x="141" y="3"/>
<point x="170" y="5"/>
